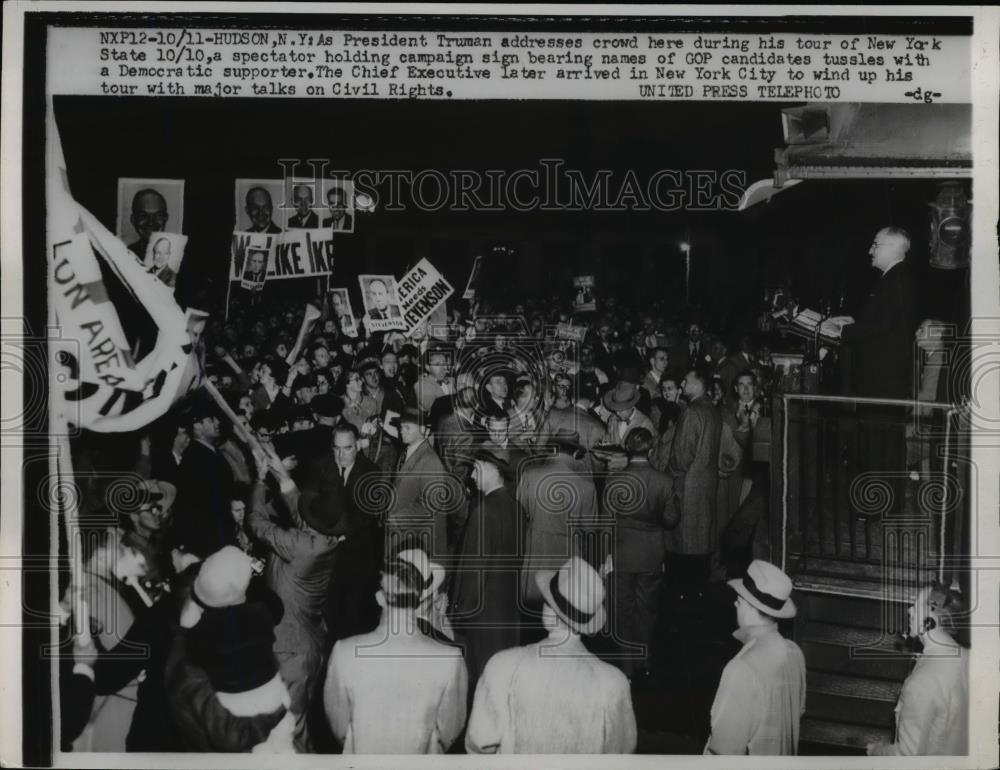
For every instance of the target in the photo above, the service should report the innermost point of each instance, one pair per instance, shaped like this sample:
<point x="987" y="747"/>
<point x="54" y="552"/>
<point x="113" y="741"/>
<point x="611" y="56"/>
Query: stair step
<point x="848" y="603"/>
<point x="847" y="586"/>
<point x="862" y="652"/>
<point x="862" y="700"/>
<point x="829" y="733"/>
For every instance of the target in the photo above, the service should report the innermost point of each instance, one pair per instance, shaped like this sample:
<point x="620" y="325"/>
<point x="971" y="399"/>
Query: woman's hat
<point x="575" y="592"/>
<point x="767" y="588"/>
<point x="623" y="396"/>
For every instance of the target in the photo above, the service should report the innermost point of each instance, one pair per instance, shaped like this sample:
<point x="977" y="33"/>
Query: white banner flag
<point x="105" y="390"/>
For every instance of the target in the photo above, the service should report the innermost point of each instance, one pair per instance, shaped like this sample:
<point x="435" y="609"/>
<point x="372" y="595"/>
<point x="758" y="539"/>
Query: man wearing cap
<point x="485" y="589"/>
<point x="424" y="492"/>
<point x="298" y="571"/>
<point x="640" y="499"/>
<point x="621" y="402"/>
<point x="762" y="694"/>
<point x="694" y="464"/>
<point x="397" y="690"/>
<point x="556" y="491"/>
<point x="555" y="696"/>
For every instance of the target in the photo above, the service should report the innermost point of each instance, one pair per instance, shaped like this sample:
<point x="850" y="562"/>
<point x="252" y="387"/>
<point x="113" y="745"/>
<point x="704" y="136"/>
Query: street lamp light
<point x="686" y="248"/>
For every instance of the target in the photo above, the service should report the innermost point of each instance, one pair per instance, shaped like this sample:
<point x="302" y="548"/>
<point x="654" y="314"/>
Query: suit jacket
<point x="395" y="693"/>
<point x="271" y="229"/>
<point x="455" y="439"/>
<point x="309" y="222"/>
<point x="881" y="339"/>
<point x="298" y="571"/>
<point x="556" y="492"/>
<point x="586" y="425"/>
<point x="484" y="606"/>
<point x="641" y="501"/>
<point x="204" y="488"/>
<point x="612" y="435"/>
<point x="652" y="384"/>
<point x="424" y="494"/>
<point x="522" y="689"/>
<point x="694" y="463"/>
<point x="428" y="391"/>
<point x="391" y="311"/>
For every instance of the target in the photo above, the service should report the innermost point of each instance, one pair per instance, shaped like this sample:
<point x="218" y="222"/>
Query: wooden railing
<point x="863" y="486"/>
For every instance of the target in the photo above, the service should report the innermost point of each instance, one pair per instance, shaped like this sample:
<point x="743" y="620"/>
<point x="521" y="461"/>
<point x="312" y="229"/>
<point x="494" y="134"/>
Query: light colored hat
<point x="575" y="592"/>
<point x="623" y="396"/>
<point x="431" y="572"/>
<point x="223" y="578"/>
<point x="767" y="588"/>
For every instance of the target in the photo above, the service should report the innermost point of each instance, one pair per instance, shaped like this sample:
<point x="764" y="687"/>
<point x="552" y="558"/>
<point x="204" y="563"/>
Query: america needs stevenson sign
<point x="422" y="291"/>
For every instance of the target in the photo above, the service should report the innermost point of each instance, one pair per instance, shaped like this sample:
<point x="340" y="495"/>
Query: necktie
<point x="340" y="470"/>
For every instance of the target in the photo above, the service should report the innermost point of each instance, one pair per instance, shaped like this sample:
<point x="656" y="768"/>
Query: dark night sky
<point x="816" y="235"/>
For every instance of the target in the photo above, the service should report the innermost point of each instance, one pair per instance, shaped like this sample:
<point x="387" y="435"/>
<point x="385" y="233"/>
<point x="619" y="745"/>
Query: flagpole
<point x="244" y="435"/>
<point x="229" y="288"/>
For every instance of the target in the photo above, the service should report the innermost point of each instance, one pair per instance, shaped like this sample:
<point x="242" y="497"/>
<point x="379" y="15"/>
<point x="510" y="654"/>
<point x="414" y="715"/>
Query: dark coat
<point x="484" y="606"/>
<point x="204" y="489"/>
<point x="205" y="724"/>
<point x="298" y="571"/>
<point x="881" y="340"/>
<point x="694" y="463"/>
<point x="309" y="222"/>
<point x="556" y="492"/>
<point x="641" y="501"/>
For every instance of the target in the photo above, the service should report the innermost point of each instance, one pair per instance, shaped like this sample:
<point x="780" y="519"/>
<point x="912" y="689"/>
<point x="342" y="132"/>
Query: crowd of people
<point x="398" y="544"/>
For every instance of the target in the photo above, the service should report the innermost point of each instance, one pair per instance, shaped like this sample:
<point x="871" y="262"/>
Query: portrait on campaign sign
<point x="147" y="206"/>
<point x="302" y="209"/>
<point x="501" y="510"/>
<point x="340" y="301"/>
<point x="255" y="269"/>
<point x="164" y="254"/>
<point x="339" y="213"/>
<point x="258" y="206"/>
<point x="583" y="300"/>
<point x="381" y="303"/>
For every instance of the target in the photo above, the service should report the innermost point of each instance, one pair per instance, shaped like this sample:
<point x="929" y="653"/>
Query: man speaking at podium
<point x="881" y="339"/>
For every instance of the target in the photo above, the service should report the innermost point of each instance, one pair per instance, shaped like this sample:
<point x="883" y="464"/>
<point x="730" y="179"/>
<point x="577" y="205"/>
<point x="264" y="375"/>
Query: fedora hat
<point x="575" y="592"/>
<point x="322" y="510"/>
<point x="623" y="396"/>
<point x="499" y="458"/>
<point x="767" y="588"/>
<point x="412" y="415"/>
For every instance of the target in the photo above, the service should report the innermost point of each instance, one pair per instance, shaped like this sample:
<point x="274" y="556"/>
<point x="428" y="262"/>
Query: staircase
<point x="854" y="674"/>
